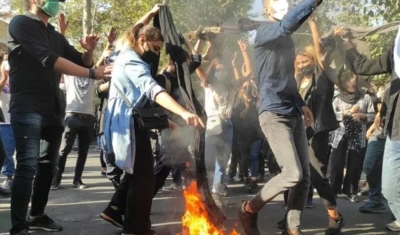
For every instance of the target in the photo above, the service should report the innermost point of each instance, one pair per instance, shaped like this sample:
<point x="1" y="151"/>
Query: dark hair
<point x="150" y="32"/>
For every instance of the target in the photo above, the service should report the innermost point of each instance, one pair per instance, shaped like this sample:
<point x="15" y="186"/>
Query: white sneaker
<point x="6" y="185"/>
<point x="235" y="179"/>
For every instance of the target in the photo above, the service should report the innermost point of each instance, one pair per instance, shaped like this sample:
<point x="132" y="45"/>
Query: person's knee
<point x="293" y="177"/>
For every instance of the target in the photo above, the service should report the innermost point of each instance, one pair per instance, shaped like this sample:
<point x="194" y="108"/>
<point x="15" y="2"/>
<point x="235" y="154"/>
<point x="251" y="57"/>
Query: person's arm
<point x="299" y="101"/>
<point x="363" y="66"/>
<point x="269" y="32"/>
<point x="3" y="77"/>
<point x="235" y="69"/>
<point x="149" y="15"/>
<point x="396" y="53"/>
<point x="247" y="62"/>
<point x="319" y="51"/>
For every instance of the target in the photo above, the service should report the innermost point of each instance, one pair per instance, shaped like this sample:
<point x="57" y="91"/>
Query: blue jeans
<point x="7" y="135"/>
<point x="217" y="152"/>
<point x="391" y="176"/>
<point x="373" y="168"/>
<point x="250" y="153"/>
<point x="37" y="138"/>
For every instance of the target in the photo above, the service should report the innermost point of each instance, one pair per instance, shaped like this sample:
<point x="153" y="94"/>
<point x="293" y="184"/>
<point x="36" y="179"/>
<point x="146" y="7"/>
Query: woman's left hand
<point x="192" y="119"/>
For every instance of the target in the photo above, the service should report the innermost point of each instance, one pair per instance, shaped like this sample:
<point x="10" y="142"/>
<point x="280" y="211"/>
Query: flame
<point x="195" y="219"/>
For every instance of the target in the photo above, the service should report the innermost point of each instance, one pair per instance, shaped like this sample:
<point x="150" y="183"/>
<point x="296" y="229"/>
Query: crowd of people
<point x="288" y="110"/>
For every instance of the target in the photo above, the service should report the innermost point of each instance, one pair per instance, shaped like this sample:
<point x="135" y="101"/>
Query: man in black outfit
<point x="38" y="55"/>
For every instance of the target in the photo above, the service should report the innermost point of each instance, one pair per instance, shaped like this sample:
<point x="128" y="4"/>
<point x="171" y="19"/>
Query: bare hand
<point x="355" y="109"/>
<point x="89" y="43"/>
<point x="357" y="116"/>
<point x="62" y="23"/>
<point x="103" y="71"/>
<point x="155" y="9"/>
<point x="339" y="31"/>
<point x="111" y="35"/>
<point x="193" y="119"/>
<point x="242" y="45"/>
<point x="308" y="116"/>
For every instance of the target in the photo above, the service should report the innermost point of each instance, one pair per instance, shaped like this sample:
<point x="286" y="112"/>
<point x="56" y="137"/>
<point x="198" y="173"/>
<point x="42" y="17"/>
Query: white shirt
<point x="79" y="95"/>
<point x="5" y="102"/>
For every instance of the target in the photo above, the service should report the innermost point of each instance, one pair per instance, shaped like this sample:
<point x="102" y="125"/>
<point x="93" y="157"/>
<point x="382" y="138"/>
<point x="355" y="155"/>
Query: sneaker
<point x="335" y="226"/>
<point x="248" y="220"/>
<point x="6" y="185"/>
<point x="353" y="198"/>
<point x="364" y="191"/>
<point x="173" y="187"/>
<point x="284" y="232"/>
<point x="79" y="184"/>
<point x="221" y="190"/>
<point x="56" y="183"/>
<point x="309" y="204"/>
<point x="371" y="207"/>
<point x="394" y="226"/>
<point x="4" y="193"/>
<point x="22" y="232"/>
<point x="112" y="216"/>
<point x="234" y="179"/>
<point x="251" y="185"/>
<point x="44" y="222"/>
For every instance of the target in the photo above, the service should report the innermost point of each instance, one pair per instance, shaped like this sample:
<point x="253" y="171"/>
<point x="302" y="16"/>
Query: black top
<point x="33" y="50"/>
<point x="382" y="64"/>
<point x="319" y="100"/>
<point x="248" y="128"/>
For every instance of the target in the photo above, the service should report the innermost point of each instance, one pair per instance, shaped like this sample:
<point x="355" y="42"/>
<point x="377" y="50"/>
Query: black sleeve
<point x="360" y="65"/>
<point x="71" y="54"/>
<point x="27" y="33"/>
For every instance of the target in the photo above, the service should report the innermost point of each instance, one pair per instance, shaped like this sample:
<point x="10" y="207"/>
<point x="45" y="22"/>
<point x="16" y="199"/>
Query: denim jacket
<point x="132" y="76"/>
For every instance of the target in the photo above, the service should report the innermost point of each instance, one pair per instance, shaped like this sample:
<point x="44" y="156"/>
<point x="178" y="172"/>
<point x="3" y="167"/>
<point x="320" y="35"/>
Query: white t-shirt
<point x="79" y="95"/>
<point x="218" y="103"/>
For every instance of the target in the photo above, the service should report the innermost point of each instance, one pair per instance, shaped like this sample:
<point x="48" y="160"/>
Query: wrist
<point x="92" y="73"/>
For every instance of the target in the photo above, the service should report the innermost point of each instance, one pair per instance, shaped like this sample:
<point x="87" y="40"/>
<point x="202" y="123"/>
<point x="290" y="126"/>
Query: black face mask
<point x="307" y="70"/>
<point x="152" y="59"/>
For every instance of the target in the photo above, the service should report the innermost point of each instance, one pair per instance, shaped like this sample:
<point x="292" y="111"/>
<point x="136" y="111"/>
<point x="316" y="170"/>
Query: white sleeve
<point x="396" y="54"/>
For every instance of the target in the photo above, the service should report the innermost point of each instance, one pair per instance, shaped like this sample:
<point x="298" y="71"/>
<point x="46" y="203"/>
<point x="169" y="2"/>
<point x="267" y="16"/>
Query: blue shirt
<point x="274" y="52"/>
<point x="132" y="76"/>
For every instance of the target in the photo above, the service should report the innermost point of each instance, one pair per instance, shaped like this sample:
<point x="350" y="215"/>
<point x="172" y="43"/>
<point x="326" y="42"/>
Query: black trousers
<point x="135" y="192"/>
<point x="319" y="158"/>
<point x="353" y="165"/>
<point x="162" y="170"/>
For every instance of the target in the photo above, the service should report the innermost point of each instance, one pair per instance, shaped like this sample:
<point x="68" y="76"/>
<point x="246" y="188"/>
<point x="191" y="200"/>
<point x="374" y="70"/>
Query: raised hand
<point x="111" y="35"/>
<point x="89" y="43"/>
<point x="242" y="45"/>
<point x="62" y="23"/>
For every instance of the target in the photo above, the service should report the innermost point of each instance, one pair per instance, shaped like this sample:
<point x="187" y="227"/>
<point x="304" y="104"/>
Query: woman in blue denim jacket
<point x="131" y="74"/>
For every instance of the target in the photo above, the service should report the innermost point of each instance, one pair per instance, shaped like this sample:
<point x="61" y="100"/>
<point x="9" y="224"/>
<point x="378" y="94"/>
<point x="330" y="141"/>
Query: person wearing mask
<point x="389" y="112"/>
<point x="317" y="90"/>
<point x="38" y="55"/>
<point x="133" y="81"/>
<point x="280" y="113"/>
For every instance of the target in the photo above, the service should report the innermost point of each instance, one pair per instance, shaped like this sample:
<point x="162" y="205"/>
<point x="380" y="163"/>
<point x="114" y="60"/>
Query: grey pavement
<point x="78" y="210"/>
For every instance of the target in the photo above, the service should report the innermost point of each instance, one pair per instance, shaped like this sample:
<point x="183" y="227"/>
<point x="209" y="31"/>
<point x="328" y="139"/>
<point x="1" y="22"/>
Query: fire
<point x="195" y="220"/>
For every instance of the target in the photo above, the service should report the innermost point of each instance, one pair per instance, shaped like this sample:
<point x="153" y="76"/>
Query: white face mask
<point x="280" y="8"/>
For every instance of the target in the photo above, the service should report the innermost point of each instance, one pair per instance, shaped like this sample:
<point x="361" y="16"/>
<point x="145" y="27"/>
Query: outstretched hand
<point x="111" y="35"/>
<point x="89" y="42"/>
<point x="62" y="23"/>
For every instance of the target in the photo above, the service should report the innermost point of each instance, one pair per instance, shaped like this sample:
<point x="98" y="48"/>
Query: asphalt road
<point x="78" y="210"/>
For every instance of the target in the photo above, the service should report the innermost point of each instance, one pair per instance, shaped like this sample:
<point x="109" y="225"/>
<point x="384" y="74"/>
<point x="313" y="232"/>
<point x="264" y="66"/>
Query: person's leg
<point x="102" y="162"/>
<point x="354" y="169"/>
<point x="8" y="168"/>
<point x="338" y="161"/>
<point x="49" y="147"/>
<point x="27" y="127"/>
<point x="254" y="157"/>
<point x="177" y="175"/>
<point x="210" y="152"/>
<point x="85" y="136"/>
<point x="235" y="158"/>
<point x="287" y="139"/>
<point x="67" y="142"/>
<point x="391" y="179"/>
<point x="161" y="172"/>
<point x="372" y="167"/>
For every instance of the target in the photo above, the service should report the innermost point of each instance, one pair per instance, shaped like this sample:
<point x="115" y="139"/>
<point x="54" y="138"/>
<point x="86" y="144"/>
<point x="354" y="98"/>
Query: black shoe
<point x="112" y="216"/>
<point x="4" y="193"/>
<point x="22" y="232"/>
<point x="284" y="232"/>
<point x="79" y="184"/>
<point x="44" y="222"/>
<point x="248" y="220"/>
<point x="335" y="226"/>
<point x="251" y="185"/>
<point x="282" y="224"/>
<point x="56" y="182"/>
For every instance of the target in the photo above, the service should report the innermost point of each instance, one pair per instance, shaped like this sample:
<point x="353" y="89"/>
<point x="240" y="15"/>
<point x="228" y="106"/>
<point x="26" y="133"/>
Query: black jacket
<point x="382" y="64"/>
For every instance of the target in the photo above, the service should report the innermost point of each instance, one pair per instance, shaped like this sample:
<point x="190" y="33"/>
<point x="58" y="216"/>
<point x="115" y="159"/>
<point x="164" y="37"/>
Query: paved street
<point x="77" y="210"/>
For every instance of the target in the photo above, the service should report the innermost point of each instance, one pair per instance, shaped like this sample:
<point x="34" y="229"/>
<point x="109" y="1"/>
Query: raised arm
<point x="271" y="31"/>
<point x="248" y="69"/>
<point x="149" y="15"/>
<point x="319" y="51"/>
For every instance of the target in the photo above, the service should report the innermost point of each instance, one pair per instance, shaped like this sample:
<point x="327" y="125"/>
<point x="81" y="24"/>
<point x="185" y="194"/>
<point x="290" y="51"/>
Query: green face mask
<point x="51" y="7"/>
